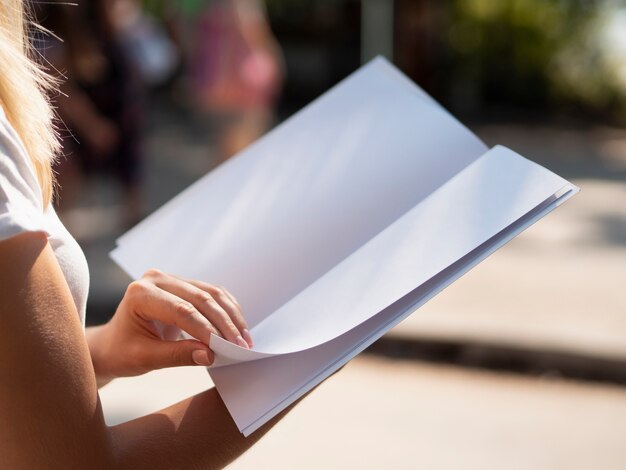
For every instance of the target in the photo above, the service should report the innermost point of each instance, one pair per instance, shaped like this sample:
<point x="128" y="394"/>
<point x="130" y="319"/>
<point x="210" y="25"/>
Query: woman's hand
<point x="142" y="335"/>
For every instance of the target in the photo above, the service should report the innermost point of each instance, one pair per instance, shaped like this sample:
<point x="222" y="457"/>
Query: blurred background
<point x="522" y="362"/>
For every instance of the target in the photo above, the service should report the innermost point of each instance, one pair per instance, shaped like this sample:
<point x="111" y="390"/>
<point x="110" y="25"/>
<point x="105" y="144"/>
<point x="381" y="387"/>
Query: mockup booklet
<point x="335" y="226"/>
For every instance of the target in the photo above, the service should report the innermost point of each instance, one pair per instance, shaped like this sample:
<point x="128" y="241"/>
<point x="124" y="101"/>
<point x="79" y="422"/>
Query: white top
<point x="21" y="210"/>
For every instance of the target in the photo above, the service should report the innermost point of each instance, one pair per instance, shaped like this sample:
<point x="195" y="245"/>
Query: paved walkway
<point x="378" y="414"/>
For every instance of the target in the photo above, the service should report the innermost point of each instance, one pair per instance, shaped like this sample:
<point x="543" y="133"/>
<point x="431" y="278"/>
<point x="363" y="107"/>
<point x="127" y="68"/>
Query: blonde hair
<point x="23" y="94"/>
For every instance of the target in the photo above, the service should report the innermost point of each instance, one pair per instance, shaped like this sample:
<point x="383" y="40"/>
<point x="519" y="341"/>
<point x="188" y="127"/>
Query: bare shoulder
<point x="18" y="255"/>
<point x="29" y="281"/>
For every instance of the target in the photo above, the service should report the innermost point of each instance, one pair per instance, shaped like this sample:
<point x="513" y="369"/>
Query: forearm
<point x="93" y="336"/>
<point x="195" y="433"/>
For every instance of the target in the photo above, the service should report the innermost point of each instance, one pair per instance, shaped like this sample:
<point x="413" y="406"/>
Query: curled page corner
<point x="227" y="353"/>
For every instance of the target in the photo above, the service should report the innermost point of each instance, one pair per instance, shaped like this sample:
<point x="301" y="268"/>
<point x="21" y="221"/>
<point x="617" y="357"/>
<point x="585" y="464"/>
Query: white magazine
<point x="335" y="226"/>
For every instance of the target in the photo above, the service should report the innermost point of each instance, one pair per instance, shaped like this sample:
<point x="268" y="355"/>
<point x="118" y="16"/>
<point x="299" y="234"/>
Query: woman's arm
<point x="195" y="433"/>
<point x="50" y="413"/>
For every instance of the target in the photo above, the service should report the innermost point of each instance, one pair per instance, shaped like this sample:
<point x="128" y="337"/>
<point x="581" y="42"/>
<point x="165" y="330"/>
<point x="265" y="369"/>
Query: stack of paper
<point x="335" y="226"/>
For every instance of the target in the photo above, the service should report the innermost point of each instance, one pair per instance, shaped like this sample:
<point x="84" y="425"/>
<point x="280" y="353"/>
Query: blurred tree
<point x="533" y="54"/>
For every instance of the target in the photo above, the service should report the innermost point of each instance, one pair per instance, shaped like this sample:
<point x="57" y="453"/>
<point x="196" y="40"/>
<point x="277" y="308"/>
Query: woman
<point x="50" y="414"/>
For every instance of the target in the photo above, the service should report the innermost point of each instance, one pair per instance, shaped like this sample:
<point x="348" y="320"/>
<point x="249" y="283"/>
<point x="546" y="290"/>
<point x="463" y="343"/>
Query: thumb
<point x="187" y="352"/>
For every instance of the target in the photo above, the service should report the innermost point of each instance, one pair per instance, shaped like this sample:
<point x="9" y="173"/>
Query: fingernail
<point x="247" y="336"/>
<point x="201" y="357"/>
<point x="242" y="342"/>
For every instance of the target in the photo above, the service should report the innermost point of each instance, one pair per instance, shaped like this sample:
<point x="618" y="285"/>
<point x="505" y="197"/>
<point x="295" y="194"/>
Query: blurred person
<point x="101" y="98"/>
<point x="50" y="367"/>
<point x="237" y="71"/>
<point x="149" y="46"/>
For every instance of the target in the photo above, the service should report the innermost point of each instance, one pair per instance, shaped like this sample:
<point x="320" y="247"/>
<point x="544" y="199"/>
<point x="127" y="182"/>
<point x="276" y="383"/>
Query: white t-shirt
<point x="21" y="210"/>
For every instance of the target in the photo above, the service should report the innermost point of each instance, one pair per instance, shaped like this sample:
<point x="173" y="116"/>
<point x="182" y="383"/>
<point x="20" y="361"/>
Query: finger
<point x="152" y="303"/>
<point x="216" y="308"/>
<point x="230" y="305"/>
<point x="245" y="331"/>
<point x="223" y="297"/>
<point x="161" y="354"/>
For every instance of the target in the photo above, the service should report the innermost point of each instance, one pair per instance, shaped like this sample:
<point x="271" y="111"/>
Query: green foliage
<point x="534" y="52"/>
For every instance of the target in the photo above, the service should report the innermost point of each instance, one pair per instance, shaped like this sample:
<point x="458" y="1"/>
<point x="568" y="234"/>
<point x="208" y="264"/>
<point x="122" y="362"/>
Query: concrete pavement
<point x="378" y="413"/>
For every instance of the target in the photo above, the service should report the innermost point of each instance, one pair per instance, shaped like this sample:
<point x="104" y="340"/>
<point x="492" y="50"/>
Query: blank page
<point x="282" y="213"/>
